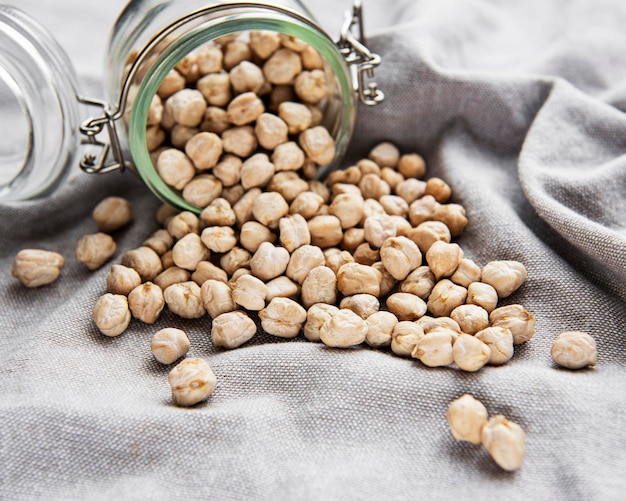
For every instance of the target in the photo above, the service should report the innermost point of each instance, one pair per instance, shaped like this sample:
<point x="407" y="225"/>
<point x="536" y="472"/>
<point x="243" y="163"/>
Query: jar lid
<point x="39" y="108"/>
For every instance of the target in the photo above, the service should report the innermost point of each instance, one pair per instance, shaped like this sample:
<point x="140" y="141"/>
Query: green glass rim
<point x="195" y="38"/>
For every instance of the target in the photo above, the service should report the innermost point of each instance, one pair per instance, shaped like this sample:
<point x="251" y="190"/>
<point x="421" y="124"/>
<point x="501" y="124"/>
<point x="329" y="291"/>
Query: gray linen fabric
<point x="519" y="106"/>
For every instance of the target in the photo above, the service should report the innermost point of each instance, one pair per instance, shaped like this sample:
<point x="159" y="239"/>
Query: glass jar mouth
<point x="40" y="110"/>
<point x="235" y="22"/>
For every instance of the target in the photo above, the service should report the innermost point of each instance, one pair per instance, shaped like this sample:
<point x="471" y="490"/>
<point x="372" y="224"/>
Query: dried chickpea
<point x="235" y="53"/>
<point x="122" y="280"/>
<point x="435" y="348"/>
<point x="467" y="416"/>
<point x="419" y="282"/>
<point x="218" y="239"/>
<point x="504" y="440"/>
<point x="373" y="186"/>
<point x="160" y="242"/>
<point x="112" y="213"/>
<point x="319" y="286"/>
<point x="346" y="189"/>
<point x="217" y="298"/>
<point x="95" y="250"/>
<point x="144" y="261"/>
<point x="228" y="169"/>
<point x="504" y="276"/>
<point x="355" y="278"/>
<point x="183" y="223"/>
<point x="366" y="254"/>
<point x="165" y="213"/>
<point x="311" y="86"/>
<point x="387" y="282"/>
<point x="378" y="228"/>
<point x="351" y="175"/>
<point x="243" y="207"/>
<point x="253" y="234"/>
<point x="348" y="208"/>
<point x="292" y="43"/>
<point x="500" y="342"/>
<point x="336" y="258"/>
<point x="320" y="189"/>
<point x="204" y="149"/>
<point x="303" y="260"/>
<point x="406" y="306"/>
<point x="170" y="276"/>
<point x="392" y="177"/>
<point x="316" y="317"/>
<point x="443" y="258"/>
<point x="453" y="216"/>
<point x="446" y="296"/>
<point x="288" y="156"/>
<point x="187" y="106"/>
<point x="245" y="109"/>
<point x="282" y="287"/>
<point x="202" y="190"/>
<point x="294" y="232"/>
<point x="216" y="120"/>
<point x="270" y="131"/>
<point x="296" y="115"/>
<point x="410" y="190"/>
<point x="343" y="329"/>
<point x="167" y="261"/>
<point x="206" y="270"/>
<point x="215" y="87"/>
<point x="269" y="262"/>
<point x="517" y="319"/>
<point x="189" y="251"/>
<point x="430" y="324"/>
<point x="192" y="381"/>
<point x="246" y="77"/>
<point x="289" y="184"/>
<point x="282" y="66"/>
<point x="352" y="238"/>
<point x="367" y="166"/>
<point x="184" y="300"/>
<point x="169" y="344"/>
<point x="239" y="273"/>
<point x="155" y="136"/>
<point x="283" y="317"/>
<point x="268" y="209"/>
<point x="175" y="168"/>
<point x="405" y="336"/>
<point x="471" y="318"/>
<point x="380" y="326"/>
<point x="400" y="256"/>
<point x="325" y="230"/>
<point x="318" y="144"/>
<point x="412" y="165"/>
<point x="209" y="58"/>
<point x="235" y="259"/>
<point x="439" y="189"/>
<point x="111" y="314"/>
<point x="249" y="292"/>
<point x="466" y="273"/>
<point x="146" y="302"/>
<point x="574" y="350"/>
<point x="385" y="154"/>
<point x="256" y="171"/>
<point x="171" y="84"/>
<point x="423" y="209"/>
<point x="232" y="329"/>
<point x="483" y="295"/>
<point x="264" y="43"/>
<point x="233" y="193"/>
<point x="363" y="305"/>
<point x="218" y="213"/>
<point x="470" y="353"/>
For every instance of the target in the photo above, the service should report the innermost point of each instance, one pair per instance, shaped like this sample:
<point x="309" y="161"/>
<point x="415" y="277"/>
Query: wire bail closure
<point x="359" y="58"/>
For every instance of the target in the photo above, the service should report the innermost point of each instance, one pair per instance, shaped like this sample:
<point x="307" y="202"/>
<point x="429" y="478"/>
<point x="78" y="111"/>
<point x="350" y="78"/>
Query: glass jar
<point x="148" y="40"/>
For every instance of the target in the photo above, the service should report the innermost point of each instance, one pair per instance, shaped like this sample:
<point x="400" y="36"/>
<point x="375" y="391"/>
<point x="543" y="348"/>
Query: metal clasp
<point x="91" y="128"/>
<point x="359" y="58"/>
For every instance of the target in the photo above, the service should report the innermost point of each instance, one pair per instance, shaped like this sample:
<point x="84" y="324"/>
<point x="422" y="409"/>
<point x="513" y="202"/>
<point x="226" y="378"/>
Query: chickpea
<point x="217" y="298"/>
<point x="192" y="381"/>
<point x="146" y="302"/>
<point x="292" y="43"/>
<point x="443" y="258"/>
<point x="171" y="84"/>
<point x="387" y="282"/>
<point x="160" y="242"/>
<point x="269" y="262"/>
<point x="466" y="273"/>
<point x="280" y="94"/>
<point x="215" y="88"/>
<point x="296" y="115"/>
<point x="209" y="58"/>
<point x="483" y="295"/>
<point x="249" y="292"/>
<point x="500" y="342"/>
<point x="155" y="137"/>
<point x="189" y="251"/>
<point x="504" y="276"/>
<point x="351" y="175"/>
<point x="95" y="250"/>
<point x="269" y="208"/>
<point x="243" y="207"/>
<point x="318" y="144"/>
<point x="406" y="306"/>
<point x="220" y="239"/>
<point x="365" y="254"/>
<point x="288" y="157"/>
<point x="379" y="228"/>
<point x="385" y="154"/>
<point x="235" y="53"/>
<point x="303" y="260"/>
<point x="112" y="213"/>
<point x="517" y="319"/>
<point x="427" y="233"/>
<point x="423" y="209"/>
<point x="165" y="213"/>
<point x="352" y="238"/>
<point x="574" y="350"/>
<point x="419" y="282"/>
<point x="144" y="261"/>
<point x="228" y="169"/>
<point x="283" y="317"/>
<point x="206" y="270"/>
<point x="430" y="324"/>
<point x="264" y="43"/>
<point x="311" y="86"/>
<point x="405" y="336"/>
<point x="233" y="193"/>
<point x="270" y="131"/>
<point x="439" y="189"/>
<point x="122" y="280"/>
<point x="232" y="329"/>
<point x="282" y="287"/>
<point x="245" y="109"/>
<point x="444" y="297"/>
<point x="336" y="258"/>
<point x="289" y="184"/>
<point x="471" y="318"/>
<point x="380" y="326"/>
<point x="392" y="177"/>
<point x="363" y="305"/>
<point x="246" y="77"/>
<point x="111" y="314"/>
<point x="294" y="232"/>
<point x="253" y="234"/>
<point x="412" y="165"/>
<point x="348" y="209"/>
<point x="169" y="344"/>
<point x="311" y="59"/>
<point x="183" y="223"/>
<point x="373" y="186"/>
<point x="467" y="416"/>
<point x="410" y="190"/>
<point x="453" y="216"/>
<point x="355" y="278"/>
<point x="282" y="66"/>
<point x="218" y="213"/>
<point x="400" y="256"/>
<point x="505" y="442"/>
<point x="257" y="171"/>
<point x="216" y="120"/>
<point x="435" y="348"/>
<point x="325" y="231"/>
<point x="470" y="353"/>
<point x="187" y="106"/>
<point x="184" y="299"/>
<point x="171" y="276"/>
<point x="202" y="190"/>
<point x="344" y="329"/>
<point x="175" y="168"/>
<point x="204" y="149"/>
<point x="235" y="259"/>
<point x="316" y="317"/>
